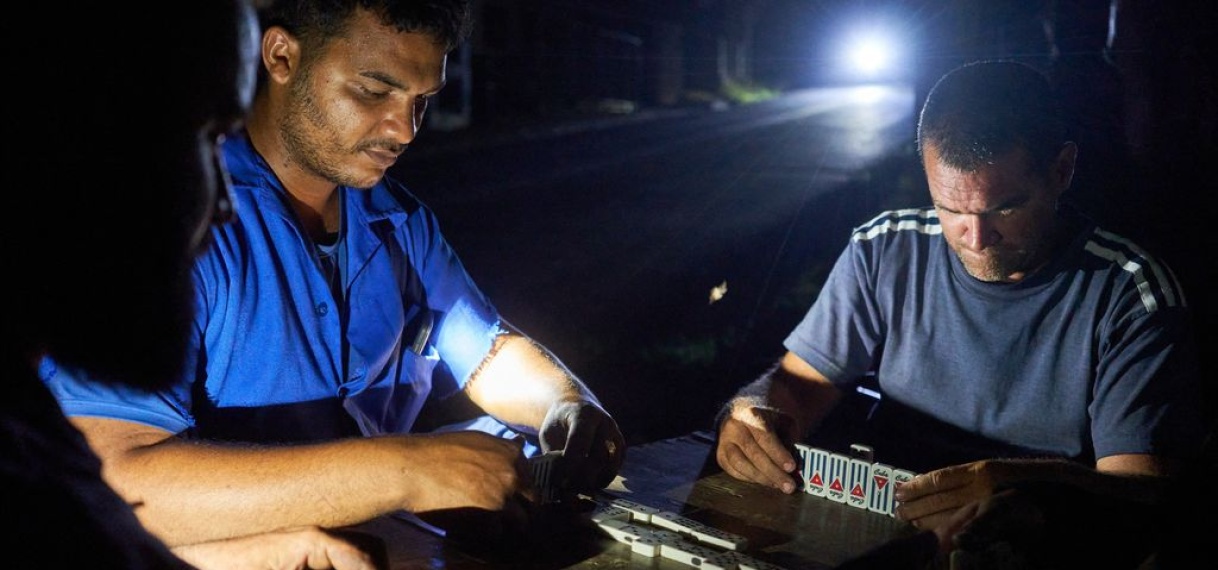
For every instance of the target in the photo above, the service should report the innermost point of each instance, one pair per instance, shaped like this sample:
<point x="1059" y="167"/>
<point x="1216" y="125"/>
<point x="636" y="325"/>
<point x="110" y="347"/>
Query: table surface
<point x="797" y="531"/>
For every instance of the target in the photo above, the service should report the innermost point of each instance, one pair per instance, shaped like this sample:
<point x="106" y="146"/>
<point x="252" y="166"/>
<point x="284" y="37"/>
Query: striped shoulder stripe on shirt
<point x="921" y="220"/>
<point x="1156" y="283"/>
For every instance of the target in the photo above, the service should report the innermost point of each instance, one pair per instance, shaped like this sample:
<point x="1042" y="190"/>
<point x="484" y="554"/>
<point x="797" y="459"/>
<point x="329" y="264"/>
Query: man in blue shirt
<point x="332" y="315"/>
<point x="1010" y="337"/>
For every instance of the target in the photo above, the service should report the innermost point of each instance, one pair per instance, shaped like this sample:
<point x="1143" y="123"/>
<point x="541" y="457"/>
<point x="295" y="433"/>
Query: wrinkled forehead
<point x="999" y="182"/>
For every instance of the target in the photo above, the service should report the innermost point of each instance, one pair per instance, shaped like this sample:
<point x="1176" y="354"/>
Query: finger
<point x="742" y="457"/>
<point x="606" y="453"/>
<point x="770" y="432"/>
<point x="959" y="522"/>
<point x="603" y="466"/>
<point x="616" y="447"/>
<point x="570" y="426"/>
<point x="581" y="429"/>
<point x="932" y="482"/>
<point x="935" y="504"/>
<point x="933" y="520"/>
<point x="357" y="550"/>
<point x="771" y="457"/>
<point x="917" y="509"/>
<point x="343" y="555"/>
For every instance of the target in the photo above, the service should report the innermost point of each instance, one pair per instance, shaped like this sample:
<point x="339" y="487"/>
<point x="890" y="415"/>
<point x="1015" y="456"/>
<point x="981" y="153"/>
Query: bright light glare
<point x="867" y="94"/>
<point x="870" y="55"/>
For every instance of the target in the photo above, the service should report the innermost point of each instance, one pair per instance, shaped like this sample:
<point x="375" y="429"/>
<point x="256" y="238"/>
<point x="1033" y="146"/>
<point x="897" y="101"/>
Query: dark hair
<point x="314" y="22"/>
<point x="984" y="109"/>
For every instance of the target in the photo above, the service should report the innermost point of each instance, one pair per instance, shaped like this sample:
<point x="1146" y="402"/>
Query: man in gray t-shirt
<point x="1011" y="339"/>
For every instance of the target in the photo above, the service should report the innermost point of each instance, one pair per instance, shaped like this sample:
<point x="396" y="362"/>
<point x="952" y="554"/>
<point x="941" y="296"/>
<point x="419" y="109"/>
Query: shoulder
<point x="906" y="223"/>
<point x="1147" y="276"/>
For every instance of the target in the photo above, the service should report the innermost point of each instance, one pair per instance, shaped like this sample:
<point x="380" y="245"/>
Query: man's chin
<point x="986" y="269"/>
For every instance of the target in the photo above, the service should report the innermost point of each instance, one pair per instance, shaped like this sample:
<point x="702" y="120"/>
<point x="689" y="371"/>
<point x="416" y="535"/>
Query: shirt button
<point x="322" y="309"/>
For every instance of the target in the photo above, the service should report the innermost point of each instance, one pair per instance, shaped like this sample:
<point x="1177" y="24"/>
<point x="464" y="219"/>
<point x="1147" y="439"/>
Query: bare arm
<point x="764" y="419"/>
<point x="188" y="492"/>
<point x="929" y="499"/>
<point x="308" y="548"/>
<point x="524" y="385"/>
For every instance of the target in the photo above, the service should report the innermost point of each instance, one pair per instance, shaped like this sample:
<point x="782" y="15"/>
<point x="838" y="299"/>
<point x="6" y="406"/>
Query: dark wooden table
<point x="679" y="475"/>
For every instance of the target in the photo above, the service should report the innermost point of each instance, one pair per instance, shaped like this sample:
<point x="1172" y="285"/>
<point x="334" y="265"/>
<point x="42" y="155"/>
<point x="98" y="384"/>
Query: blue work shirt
<point x="267" y="359"/>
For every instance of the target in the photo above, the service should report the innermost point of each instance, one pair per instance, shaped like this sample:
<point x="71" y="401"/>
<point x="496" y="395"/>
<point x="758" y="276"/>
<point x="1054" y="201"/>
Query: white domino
<point x="857" y="482"/>
<point x="835" y="480"/>
<point x="638" y="511"/>
<point x="816" y="470"/>
<point x="731" y="560"/>
<point x="648" y="546"/>
<point x="654" y="532"/>
<point x="855" y="479"/>
<point x="700" y="532"/>
<point x="688" y="553"/>
<point x="606" y="512"/>
<point x="625" y="532"/>
<point x="879" y="489"/>
<point x="900" y="476"/>
<point x="754" y="564"/>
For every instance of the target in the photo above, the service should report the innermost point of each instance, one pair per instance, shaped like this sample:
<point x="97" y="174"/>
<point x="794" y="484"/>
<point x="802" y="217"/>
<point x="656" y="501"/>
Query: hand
<point x="1052" y="524"/>
<point x="593" y="447"/>
<point x="930" y="499"/>
<point x="475" y="486"/>
<point x="305" y="548"/>
<point x="1006" y="516"/>
<point x="468" y="470"/>
<point x="754" y="445"/>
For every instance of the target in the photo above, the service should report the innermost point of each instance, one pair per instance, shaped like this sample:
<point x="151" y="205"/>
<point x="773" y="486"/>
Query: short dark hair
<point x="984" y="109"/>
<point x="314" y="22"/>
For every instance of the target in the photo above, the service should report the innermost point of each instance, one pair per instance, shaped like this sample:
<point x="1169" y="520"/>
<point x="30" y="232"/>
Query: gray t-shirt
<point x="1091" y="356"/>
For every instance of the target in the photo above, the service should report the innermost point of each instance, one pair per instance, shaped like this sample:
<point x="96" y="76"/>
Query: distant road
<point x="604" y="240"/>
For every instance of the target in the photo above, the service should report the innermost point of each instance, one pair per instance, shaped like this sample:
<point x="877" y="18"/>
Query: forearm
<point x="1136" y="477"/>
<point x="187" y="492"/>
<point x="521" y="381"/>
<point x="1128" y="483"/>
<point x="793" y="388"/>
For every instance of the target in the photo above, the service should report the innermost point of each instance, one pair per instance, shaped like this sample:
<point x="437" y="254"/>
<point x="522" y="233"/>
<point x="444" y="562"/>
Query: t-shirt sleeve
<point x="1147" y="393"/>
<point x="81" y="395"/>
<point x="466" y="322"/>
<point x="841" y="334"/>
<point x="169" y="409"/>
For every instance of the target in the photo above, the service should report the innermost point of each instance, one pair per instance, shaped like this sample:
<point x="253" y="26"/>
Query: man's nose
<point x="979" y="233"/>
<point x="404" y="124"/>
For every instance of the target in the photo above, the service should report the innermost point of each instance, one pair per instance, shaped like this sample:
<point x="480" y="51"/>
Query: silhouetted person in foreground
<point x="110" y="158"/>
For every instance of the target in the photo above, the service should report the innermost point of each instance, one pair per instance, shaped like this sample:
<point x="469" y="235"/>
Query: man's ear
<point x="280" y="54"/>
<point x="1062" y="172"/>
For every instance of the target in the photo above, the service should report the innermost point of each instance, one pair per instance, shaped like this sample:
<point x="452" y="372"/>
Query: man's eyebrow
<point x="1012" y="203"/>
<point x="393" y="82"/>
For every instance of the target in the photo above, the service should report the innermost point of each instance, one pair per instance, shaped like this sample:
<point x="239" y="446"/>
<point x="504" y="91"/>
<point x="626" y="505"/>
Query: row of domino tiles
<point x="854" y="479"/>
